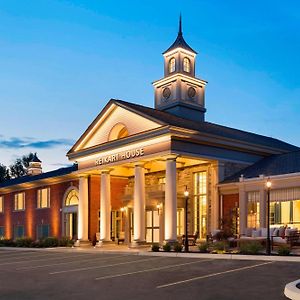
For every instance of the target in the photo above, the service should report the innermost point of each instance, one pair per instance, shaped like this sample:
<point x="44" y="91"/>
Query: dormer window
<point x="186" y="65"/>
<point x="172" y="65"/>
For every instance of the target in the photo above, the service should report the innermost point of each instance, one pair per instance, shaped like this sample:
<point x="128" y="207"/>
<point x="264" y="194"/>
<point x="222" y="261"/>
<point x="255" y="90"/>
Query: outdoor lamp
<point x="268" y="185"/>
<point x="186" y="240"/>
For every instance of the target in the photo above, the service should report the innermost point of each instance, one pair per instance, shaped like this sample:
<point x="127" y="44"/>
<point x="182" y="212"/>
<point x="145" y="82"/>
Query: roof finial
<point x="180" y="25"/>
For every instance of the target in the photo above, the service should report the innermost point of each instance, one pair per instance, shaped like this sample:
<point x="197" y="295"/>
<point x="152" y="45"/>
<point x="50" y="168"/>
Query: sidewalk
<point x="145" y="251"/>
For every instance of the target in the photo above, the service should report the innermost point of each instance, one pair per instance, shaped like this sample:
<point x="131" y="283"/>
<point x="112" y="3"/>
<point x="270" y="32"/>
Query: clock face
<point x="191" y="92"/>
<point x="166" y="93"/>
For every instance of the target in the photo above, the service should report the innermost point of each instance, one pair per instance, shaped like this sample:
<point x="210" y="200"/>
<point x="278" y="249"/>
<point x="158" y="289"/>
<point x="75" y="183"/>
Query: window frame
<point x="186" y="59"/>
<point x="40" y="198"/>
<point x="1" y="204"/>
<point x="16" y="201"/>
<point x="172" y="65"/>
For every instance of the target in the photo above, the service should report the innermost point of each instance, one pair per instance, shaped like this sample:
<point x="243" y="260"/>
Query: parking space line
<point x="33" y="260"/>
<point x="105" y="266"/>
<point x="212" y="275"/>
<point x="152" y="269"/>
<point x="70" y="262"/>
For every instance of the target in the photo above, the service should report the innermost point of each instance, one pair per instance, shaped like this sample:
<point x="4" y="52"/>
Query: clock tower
<point x="180" y="92"/>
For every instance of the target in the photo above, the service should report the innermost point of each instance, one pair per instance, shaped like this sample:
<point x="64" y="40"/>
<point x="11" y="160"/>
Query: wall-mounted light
<point x="122" y="209"/>
<point x="158" y="206"/>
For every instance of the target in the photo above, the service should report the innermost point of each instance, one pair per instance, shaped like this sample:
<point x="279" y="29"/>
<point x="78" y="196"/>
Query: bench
<point x="192" y="238"/>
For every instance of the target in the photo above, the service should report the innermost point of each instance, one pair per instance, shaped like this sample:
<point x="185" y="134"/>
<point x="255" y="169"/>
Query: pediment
<point x="112" y="117"/>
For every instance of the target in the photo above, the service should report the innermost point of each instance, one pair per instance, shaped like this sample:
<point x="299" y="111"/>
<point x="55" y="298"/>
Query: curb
<point x="146" y="252"/>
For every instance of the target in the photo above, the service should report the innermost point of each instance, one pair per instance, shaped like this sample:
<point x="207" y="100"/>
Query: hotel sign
<point x="128" y="154"/>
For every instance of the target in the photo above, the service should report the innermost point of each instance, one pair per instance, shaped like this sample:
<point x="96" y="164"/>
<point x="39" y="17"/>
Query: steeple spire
<point x="180" y="25"/>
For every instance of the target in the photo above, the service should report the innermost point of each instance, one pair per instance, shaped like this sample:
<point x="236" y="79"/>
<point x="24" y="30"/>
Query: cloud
<point x="28" y="142"/>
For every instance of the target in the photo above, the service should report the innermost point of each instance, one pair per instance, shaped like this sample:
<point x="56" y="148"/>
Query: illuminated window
<point x="72" y="198"/>
<point x="1" y="204"/>
<point x="200" y="203"/>
<point x="43" y="231"/>
<point x="253" y="210"/>
<point x="18" y="231"/>
<point x="180" y="221"/>
<point x="43" y="196"/>
<point x="285" y="212"/>
<point x="2" y="232"/>
<point x="119" y="131"/>
<point x="19" y="201"/>
<point x="172" y="62"/>
<point x="186" y="65"/>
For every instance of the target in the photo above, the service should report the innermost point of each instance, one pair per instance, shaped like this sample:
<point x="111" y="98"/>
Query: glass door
<point x="152" y="226"/>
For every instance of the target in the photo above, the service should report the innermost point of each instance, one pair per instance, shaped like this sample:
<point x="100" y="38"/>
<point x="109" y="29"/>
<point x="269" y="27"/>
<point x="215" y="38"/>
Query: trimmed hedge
<point x="26" y="242"/>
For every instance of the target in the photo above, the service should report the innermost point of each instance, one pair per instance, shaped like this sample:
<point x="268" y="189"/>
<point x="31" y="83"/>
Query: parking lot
<point x="73" y="274"/>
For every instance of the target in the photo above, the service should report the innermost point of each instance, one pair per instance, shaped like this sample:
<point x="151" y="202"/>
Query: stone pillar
<point x="139" y="204"/>
<point x="243" y="201"/>
<point x="105" y="208"/>
<point x="83" y="211"/>
<point x="171" y="201"/>
<point x="262" y="207"/>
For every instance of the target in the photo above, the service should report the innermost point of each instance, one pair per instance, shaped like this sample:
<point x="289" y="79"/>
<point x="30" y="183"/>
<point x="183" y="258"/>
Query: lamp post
<point x="268" y="185"/>
<point x="186" y="240"/>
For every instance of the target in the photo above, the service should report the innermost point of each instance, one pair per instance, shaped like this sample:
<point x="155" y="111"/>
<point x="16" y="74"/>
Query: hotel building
<point x="133" y="164"/>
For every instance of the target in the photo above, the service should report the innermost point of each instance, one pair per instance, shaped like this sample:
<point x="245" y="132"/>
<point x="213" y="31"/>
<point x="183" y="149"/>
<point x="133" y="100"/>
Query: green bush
<point x="23" y="242"/>
<point x="155" y="247"/>
<point x="284" y="250"/>
<point x="65" y="242"/>
<point x="250" y="248"/>
<point x="7" y="243"/>
<point x="167" y="247"/>
<point x="177" y="247"/>
<point x="203" y="247"/>
<point x="49" y="242"/>
<point x="220" y="246"/>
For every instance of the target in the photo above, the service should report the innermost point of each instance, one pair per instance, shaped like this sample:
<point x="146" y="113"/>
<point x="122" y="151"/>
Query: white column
<point x="105" y="207"/>
<point x="262" y="207"/>
<point x="171" y="201"/>
<point x="139" y="203"/>
<point x="243" y="209"/>
<point x="83" y="213"/>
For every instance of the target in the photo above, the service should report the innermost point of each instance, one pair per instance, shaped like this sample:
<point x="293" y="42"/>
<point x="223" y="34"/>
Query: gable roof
<point x="277" y="164"/>
<point x="31" y="178"/>
<point x="207" y="127"/>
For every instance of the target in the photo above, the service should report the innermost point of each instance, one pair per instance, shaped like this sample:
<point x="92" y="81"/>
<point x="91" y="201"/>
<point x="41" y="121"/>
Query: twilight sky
<point x="61" y="61"/>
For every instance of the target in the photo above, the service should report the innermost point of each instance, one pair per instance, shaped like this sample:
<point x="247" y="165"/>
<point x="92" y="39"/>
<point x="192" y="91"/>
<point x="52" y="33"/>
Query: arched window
<point x="186" y="65"/>
<point x="72" y="198"/>
<point x="117" y="132"/>
<point x="172" y="65"/>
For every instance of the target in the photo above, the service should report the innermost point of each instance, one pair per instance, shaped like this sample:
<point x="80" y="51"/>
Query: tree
<point x="19" y="167"/>
<point x="4" y="173"/>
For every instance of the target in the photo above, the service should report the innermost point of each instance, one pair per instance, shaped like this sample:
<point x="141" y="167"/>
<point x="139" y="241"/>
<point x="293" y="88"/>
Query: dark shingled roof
<point x="180" y="42"/>
<point x="35" y="159"/>
<point x="210" y="128"/>
<point x="29" y="178"/>
<point x="279" y="164"/>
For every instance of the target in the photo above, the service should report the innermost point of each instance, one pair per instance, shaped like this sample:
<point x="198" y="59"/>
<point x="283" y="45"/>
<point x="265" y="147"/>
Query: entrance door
<point x="152" y="226"/>
<point x="71" y="225"/>
<point x="116" y="224"/>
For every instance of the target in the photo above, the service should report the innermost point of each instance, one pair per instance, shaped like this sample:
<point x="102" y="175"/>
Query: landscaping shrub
<point x="220" y="246"/>
<point x="7" y="243"/>
<point x="23" y="242"/>
<point x="49" y="242"/>
<point x="250" y="248"/>
<point x="155" y="247"/>
<point x="167" y="247"/>
<point x="177" y="247"/>
<point x="284" y="250"/>
<point x="65" y="242"/>
<point x="203" y="247"/>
